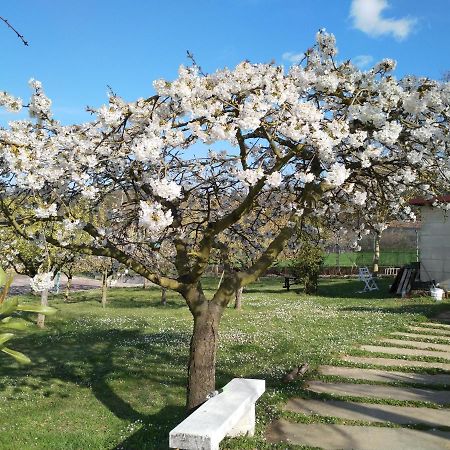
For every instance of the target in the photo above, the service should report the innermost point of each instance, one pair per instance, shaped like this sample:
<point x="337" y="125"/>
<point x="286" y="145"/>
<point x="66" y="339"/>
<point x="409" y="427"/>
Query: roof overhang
<point x="421" y="201"/>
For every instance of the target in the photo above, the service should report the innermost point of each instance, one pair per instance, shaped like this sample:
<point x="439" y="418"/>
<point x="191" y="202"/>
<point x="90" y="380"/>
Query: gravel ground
<point x="21" y="284"/>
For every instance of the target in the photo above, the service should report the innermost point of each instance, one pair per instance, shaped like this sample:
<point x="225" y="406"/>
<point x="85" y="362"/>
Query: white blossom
<point x="43" y="212"/>
<point x="169" y="190"/>
<point x="250" y="176"/>
<point x="359" y="197"/>
<point x="12" y="104"/>
<point x="389" y="133"/>
<point x="274" y="179"/>
<point x="337" y="174"/>
<point x="153" y="218"/>
<point x="42" y="282"/>
<point x="147" y="149"/>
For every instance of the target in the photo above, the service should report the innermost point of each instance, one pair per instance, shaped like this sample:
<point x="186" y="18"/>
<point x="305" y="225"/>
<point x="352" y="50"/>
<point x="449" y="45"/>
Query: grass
<point x="115" y="378"/>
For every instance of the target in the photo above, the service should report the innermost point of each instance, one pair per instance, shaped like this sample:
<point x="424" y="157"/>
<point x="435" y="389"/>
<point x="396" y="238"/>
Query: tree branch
<point x="20" y="36"/>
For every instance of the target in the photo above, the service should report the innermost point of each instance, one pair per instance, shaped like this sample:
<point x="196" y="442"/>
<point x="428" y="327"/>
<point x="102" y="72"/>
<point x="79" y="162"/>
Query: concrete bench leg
<point x="245" y="426"/>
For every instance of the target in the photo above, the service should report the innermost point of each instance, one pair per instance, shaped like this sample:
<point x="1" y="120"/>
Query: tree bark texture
<point x="68" y="286"/>
<point x="238" y="298"/>
<point x="44" y="302"/>
<point x="163" y="296"/>
<point x="202" y="354"/>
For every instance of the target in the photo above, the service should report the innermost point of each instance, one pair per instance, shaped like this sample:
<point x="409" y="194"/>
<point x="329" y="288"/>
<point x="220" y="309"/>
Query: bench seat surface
<point x="211" y="422"/>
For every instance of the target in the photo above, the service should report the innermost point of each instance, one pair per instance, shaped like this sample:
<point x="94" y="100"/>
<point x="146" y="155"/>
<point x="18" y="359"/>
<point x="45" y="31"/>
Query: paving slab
<point x="371" y="412"/>
<point x="436" y="324"/>
<point x="396" y="362"/>
<point x="421" y="336"/>
<point x="331" y="437"/>
<point x="405" y="351"/>
<point x="430" y="330"/>
<point x="384" y="375"/>
<point x="416" y="344"/>
<point x="440" y="397"/>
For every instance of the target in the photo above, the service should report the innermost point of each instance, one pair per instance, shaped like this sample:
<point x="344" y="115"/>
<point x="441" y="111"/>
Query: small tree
<point x="11" y="319"/>
<point x="307" y="266"/>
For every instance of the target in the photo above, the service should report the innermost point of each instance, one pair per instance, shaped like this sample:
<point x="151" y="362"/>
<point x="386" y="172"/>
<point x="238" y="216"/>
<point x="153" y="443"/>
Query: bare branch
<point x="20" y="36"/>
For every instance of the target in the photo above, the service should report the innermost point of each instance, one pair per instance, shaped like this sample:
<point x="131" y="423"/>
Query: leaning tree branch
<point x="20" y="36"/>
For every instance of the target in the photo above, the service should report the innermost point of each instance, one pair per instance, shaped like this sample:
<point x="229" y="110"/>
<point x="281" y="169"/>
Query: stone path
<point x="440" y="397"/>
<point x="378" y="396"/>
<point x="360" y="438"/>
<point x="405" y="351"/>
<point x="370" y="412"/>
<point x="396" y="362"/>
<point x="427" y="330"/>
<point x="385" y="376"/>
<point x="417" y="344"/>
<point x="421" y="336"/>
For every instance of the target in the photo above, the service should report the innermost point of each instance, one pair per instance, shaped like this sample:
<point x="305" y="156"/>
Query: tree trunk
<point x="57" y="282"/>
<point x="163" y="296"/>
<point x="44" y="302"/>
<point x="68" y="286"/>
<point x="376" y="254"/>
<point x="202" y="355"/>
<point x="238" y="298"/>
<point x="104" y="287"/>
<point x="144" y="284"/>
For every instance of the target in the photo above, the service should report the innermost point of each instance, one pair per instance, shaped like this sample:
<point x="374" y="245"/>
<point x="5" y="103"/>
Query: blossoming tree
<point x="308" y="142"/>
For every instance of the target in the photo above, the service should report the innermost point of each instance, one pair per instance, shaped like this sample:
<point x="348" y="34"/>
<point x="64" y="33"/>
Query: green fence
<point x="396" y="258"/>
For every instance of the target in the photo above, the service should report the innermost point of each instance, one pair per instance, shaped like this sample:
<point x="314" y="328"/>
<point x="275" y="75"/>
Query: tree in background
<point x="11" y="318"/>
<point x="307" y="264"/>
<point x="37" y="259"/>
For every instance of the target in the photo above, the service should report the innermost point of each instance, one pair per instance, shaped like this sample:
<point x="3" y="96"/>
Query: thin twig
<point x="190" y="56"/>
<point x="20" y="36"/>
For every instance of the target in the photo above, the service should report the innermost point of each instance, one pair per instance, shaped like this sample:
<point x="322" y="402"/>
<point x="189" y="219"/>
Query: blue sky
<point x="79" y="47"/>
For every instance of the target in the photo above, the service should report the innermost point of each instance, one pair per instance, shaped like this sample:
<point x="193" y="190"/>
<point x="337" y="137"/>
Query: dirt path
<point x="21" y="284"/>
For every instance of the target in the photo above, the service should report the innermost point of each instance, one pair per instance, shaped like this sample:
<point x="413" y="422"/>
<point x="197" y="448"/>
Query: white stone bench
<point x="230" y="413"/>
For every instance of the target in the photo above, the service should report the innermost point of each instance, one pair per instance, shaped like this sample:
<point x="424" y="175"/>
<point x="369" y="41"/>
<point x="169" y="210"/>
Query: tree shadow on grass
<point x="151" y="303"/>
<point x="352" y="288"/>
<point x="131" y="302"/>
<point x="94" y="359"/>
<point x="428" y="310"/>
<point x="335" y="288"/>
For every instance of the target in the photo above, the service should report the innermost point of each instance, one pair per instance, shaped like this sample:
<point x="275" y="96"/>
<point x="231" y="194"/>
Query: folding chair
<point x="366" y="277"/>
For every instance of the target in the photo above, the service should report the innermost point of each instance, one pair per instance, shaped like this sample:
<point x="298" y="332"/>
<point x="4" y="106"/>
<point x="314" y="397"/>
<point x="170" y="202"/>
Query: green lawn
<point x="114" y="378"/>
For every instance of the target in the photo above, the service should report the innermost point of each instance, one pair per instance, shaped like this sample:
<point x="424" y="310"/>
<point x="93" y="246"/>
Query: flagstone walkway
<point x="395" y="406"/>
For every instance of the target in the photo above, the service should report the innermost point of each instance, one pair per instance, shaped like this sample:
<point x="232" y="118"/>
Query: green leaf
<point x="8" y="306"/>
<point x="3" y="277"/>
<point x="19" y="357"/>
<point x="14" y="324"/>
<point x="5" y="337"/>
<point x="48" y="310"/>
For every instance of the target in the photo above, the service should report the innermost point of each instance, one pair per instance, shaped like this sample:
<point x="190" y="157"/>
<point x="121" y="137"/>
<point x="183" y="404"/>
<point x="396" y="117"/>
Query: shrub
<point x="307" y="266"/>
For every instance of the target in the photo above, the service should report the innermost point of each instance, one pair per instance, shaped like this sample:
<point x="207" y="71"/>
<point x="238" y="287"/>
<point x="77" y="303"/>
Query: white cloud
<point x="293" y="58"/>
<point x="367" y="17"/>
<point x="362" y="61"/>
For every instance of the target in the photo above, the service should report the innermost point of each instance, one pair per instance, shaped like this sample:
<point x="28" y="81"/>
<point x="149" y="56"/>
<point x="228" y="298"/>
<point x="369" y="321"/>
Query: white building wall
<point x="434" y="242"/>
